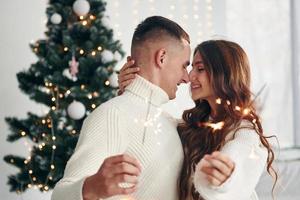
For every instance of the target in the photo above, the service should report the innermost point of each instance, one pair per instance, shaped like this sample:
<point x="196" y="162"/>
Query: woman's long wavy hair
<point x="228" y="69"/>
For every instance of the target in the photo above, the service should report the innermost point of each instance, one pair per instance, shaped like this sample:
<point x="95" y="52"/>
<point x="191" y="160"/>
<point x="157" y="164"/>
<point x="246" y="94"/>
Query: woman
<point x="223" y="120"/>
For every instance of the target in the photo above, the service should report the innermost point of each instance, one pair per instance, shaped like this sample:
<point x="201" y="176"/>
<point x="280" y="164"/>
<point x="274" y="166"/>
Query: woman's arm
<point x="250" y="159"/>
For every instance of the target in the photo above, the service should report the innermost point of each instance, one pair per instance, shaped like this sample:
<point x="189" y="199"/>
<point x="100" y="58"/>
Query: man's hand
<point x="113" y="171"/>
<point x="217" y="167"/>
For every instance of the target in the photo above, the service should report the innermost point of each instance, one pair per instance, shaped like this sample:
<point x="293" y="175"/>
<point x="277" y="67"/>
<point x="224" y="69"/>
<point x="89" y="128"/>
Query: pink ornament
<point x="73" y="64"/>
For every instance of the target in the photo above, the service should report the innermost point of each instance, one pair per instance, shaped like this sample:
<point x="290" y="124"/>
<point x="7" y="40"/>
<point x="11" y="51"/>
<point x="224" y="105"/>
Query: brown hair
<point x="228" y="68"/>
<point x="155" y="27"/>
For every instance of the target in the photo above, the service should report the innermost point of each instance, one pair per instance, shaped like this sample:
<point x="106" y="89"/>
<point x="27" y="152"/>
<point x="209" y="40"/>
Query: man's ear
<point x="160" y="58"/>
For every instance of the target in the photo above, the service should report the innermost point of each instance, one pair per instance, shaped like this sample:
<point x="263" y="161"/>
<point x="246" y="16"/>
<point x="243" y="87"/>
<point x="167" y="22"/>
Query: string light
<point x="93" y="106"/>
<point x="68" y="92"/>
<point x="23" y="133"/>
<point x="93" y="53"/>
<point x="53" y="98"/>
<point x="81" y="51"/>
<point x="107" y="83"/>
<point x="66" y="49"/>
<point x="84" y="23"/>
<point x="82" y="87"/>
<point x="90" y="96"/>
<point x="81" y="17"/>
<point x="30" y="172"/>
<point x="218" y="101"/>
<point x="92" y="17"/>
<point x="52" y="167"/>
<point x="99" y="48"/>
<point x="53" y="147"/>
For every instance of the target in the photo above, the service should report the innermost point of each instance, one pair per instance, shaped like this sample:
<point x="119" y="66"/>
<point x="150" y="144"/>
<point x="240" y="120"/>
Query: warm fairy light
<point x="73" y="131"/>
<point x="95" y="94"/>
<point x="93" y="105"/>
<point x="106" y="82"/>
<point x="44" y="121"/>
<point x="29" y="185"/>
<point x="228" y="102"/>
<point x="68" y="92"/>
<point x="48" y="120"/>
<point x="90" y="96"/>
<point x="215" y="126"/>
<point x="12" y="160"/>
<point x="46" y="188"/>
<point x="53" y="99"/>
<point x="218" y="100"/>
<point x="50" y="84"/>
<point x="50" y="177"/>
<point x="41" y="147"/>
<point x="35" y="49"/>
<point x="237" y="108"/>
<point x="84" y="23"/>
<point x="43" y="144"/>
<point x="93" y="53"/>
<point x="53" y="107"/>
<point x="46" y="84"/>
<point x="254" y="121"/>
<point x="40" y="186"/>
<point x="34" y="178"/>
<point x="82" y="86"/>
<point x="246" y="111"/>
<point x="99" y="48"/>
<point x="66" y="49"/>
<point x="81" y="51"/>
<point x="81" y="17"/>
<point x="53" y="147"/>
<point x="92" y="17"/>
<point x="30" y="171"/>
<point x="23" y="133"/>
<point x="53" y="138"/>
<point x="25" y="162"/>
<point x="52" y="166"/>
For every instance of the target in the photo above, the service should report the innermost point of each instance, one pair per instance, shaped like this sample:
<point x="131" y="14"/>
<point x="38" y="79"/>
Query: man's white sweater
<point x="132" y="123"/>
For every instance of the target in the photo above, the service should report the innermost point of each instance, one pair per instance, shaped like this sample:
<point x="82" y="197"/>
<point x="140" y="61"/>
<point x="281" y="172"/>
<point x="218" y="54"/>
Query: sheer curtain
<point x="263" y="29"/>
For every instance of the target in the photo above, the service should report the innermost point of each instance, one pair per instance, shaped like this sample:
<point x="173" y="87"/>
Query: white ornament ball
<point x="81" y="7"/>
<point x="56" y="18"/>
<point x="76" y="110"/>
<point x="117" y="56"/>
<point x="106" y="22"/>
<point x="107" y="56"/>
<point x="113" y="80"/>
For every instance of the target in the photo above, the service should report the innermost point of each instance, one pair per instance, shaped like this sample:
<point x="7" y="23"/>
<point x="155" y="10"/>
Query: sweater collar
<point x="148" y="91"/>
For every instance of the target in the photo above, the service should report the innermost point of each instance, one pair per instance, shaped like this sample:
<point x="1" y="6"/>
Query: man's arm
<point x="87" y="174"/>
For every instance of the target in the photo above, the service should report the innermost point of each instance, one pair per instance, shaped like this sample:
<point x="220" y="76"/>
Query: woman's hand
<point x="217" y="167"/>
<point x="127" y="74"/>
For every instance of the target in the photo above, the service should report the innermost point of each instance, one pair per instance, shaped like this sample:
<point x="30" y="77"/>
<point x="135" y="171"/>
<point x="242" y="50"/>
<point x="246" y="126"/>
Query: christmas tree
<point x="74" y="74"/>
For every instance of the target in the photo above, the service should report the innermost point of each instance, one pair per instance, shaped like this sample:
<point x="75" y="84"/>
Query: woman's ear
<point x="160" y="58"/>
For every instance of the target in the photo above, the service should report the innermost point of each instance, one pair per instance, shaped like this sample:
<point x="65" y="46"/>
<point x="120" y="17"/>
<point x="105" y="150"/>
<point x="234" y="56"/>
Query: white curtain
<point x="263" y="29"/>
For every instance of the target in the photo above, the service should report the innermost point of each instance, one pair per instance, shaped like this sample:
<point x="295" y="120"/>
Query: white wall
<point x="21" y="21"/>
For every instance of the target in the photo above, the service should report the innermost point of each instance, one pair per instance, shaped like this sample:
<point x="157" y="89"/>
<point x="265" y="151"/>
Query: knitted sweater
<point x="132" y="123"/>
<point x="249" y="156"/>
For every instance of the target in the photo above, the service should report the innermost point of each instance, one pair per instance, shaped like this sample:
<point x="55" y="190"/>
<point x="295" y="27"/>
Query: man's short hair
<point x="156" y="27"/>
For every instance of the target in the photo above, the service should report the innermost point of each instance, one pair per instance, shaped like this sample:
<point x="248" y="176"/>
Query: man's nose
<point x="185" y="78"/>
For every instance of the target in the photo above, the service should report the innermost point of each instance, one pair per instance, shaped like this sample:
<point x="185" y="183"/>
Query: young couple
<point x="129" y="149"/>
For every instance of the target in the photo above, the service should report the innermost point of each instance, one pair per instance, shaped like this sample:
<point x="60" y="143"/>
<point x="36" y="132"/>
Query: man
<point x="128" y="148"/>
